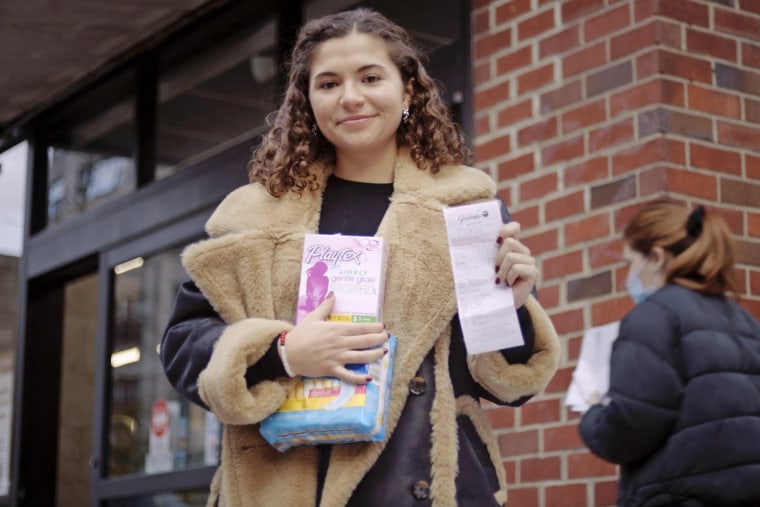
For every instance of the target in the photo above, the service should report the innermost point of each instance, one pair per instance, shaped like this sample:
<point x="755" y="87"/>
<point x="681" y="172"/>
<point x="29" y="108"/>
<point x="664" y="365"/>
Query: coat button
<point x="421" y="490"/>
<point x="417" y="386"/>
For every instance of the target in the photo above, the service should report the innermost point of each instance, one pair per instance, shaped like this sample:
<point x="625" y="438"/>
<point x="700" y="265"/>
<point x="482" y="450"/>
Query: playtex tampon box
<point x="352" y="267"/>
<point x="326" y="410"/>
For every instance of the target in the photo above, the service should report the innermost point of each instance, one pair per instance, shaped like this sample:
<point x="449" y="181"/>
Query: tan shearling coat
<point x="248" y="269"/>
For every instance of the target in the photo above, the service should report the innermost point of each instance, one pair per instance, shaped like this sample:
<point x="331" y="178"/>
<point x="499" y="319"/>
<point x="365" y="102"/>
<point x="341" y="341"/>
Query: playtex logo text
<point x="328" y="255"/>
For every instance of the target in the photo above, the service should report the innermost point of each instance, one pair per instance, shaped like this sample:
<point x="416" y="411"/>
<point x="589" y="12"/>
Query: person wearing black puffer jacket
<point x="682" y="415"/>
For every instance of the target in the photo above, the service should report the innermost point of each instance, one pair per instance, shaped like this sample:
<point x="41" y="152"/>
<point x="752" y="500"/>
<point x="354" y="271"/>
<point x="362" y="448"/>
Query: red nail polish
<point x="369" y="379"/>
<point x="498" y="281"/>
<point x="500" y="240"/>
<point x="497" y="269"/>
<point x="385" y="351"/>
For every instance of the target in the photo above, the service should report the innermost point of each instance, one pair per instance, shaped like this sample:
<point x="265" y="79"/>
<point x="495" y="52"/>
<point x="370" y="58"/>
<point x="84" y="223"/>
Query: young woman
<point x="682" y="415"/>
<point x="362" y="145"/>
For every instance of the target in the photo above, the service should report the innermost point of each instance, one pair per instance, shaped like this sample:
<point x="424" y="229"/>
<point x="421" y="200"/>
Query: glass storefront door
<point x="152" y="429"/>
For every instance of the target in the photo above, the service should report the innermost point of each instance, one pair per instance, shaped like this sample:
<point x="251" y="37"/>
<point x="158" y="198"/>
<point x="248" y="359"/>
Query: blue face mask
<point x="636" y="289"/>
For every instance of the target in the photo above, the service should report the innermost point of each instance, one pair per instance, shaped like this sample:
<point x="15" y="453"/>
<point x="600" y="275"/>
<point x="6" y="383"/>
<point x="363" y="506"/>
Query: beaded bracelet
<point x="283" y="357"/>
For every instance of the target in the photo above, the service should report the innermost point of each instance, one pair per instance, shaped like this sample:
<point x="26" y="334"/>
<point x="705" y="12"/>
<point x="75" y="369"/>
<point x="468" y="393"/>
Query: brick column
<point x="583" y="110"/>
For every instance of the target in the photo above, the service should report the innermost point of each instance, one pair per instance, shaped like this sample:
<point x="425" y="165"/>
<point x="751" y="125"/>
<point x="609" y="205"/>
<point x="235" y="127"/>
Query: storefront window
<point x="12" y="203"/>
<point x="152" y="429"/>
<point x="217" y="99"/>
<point x="91" y="162"/>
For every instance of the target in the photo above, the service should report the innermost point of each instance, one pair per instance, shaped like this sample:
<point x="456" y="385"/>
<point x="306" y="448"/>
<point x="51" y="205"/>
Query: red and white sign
<point x="160" y="418"/>
<point x="160" y="457"/>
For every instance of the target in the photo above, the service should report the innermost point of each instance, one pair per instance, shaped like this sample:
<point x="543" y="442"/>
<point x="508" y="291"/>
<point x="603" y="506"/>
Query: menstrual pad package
<point x="326" y="410"/>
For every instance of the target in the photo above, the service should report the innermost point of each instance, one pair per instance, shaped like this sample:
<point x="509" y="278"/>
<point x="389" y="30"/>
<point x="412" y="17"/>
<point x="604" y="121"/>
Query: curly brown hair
<point x="282" y="160"/>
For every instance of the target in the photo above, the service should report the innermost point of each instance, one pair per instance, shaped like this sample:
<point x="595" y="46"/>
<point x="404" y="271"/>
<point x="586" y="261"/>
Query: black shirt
<point x="353" y="208"/>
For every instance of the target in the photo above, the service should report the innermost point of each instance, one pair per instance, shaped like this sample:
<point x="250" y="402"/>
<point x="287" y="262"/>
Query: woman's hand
<point x="514" y="264"/>
<point x="319" y="348"/>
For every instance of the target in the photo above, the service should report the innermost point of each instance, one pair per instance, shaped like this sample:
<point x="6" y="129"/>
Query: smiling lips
<point x="350" y="120"/>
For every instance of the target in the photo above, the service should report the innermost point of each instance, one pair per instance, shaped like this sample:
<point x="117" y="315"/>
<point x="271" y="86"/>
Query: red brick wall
<point x="583" y="109"/>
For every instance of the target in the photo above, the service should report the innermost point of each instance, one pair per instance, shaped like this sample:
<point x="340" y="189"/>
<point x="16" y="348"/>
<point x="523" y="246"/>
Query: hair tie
<point x="696" y="219"/>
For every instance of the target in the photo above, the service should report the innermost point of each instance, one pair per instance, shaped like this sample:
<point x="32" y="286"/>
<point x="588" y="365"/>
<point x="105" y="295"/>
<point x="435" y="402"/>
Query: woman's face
<point x="647" y="268"/>
<point x="357" y="94"/>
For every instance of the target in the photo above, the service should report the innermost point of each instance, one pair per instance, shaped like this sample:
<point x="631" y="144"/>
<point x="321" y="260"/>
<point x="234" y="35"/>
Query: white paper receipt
<point x="486" y="310"/>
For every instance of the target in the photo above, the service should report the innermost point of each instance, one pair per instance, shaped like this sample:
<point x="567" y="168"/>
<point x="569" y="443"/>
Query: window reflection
<point x="91" y="162"/>
<point x="216" y="100"/>
<point x="152" y="429"/>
